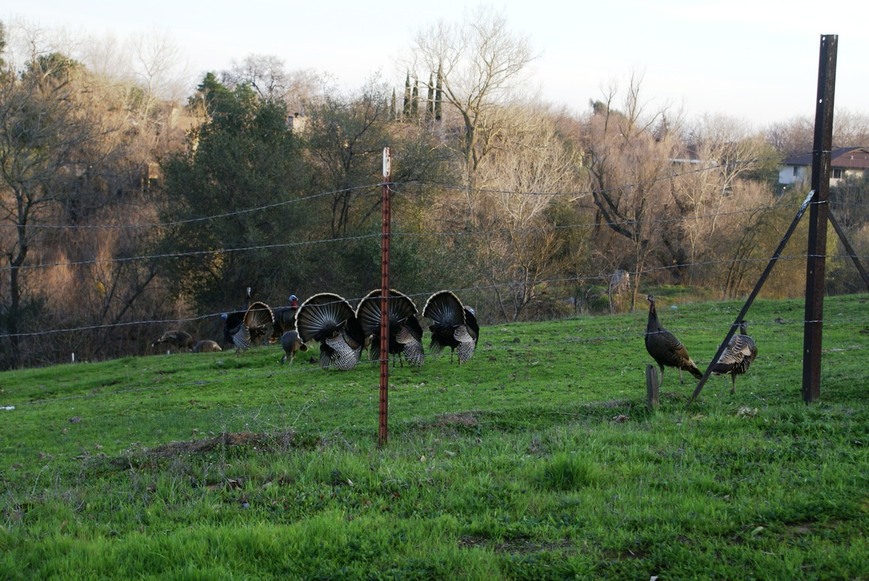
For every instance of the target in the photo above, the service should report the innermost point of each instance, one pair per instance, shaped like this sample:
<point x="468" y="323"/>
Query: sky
<point x="753" y="60"/>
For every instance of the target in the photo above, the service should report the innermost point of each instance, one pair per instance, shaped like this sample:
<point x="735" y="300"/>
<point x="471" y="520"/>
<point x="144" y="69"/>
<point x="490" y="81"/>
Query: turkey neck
<point x="653" y="325"/>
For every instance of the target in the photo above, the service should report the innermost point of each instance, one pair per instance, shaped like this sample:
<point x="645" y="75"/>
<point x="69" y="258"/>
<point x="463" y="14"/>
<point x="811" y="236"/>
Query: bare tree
<point x="481" y="64"/>
<point x="708" y="187"/>
<point x="531" y="166"/>
<point x="630" y="159"/>
<point x="41" y="134"/>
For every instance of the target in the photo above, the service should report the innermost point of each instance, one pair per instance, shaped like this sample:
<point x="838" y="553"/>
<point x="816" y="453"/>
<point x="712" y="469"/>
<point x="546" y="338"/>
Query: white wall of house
<point x="791" y="174"/>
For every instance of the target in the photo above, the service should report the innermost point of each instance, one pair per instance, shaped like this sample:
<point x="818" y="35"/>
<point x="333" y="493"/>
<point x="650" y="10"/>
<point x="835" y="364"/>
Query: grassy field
<point x="536" y="460"/>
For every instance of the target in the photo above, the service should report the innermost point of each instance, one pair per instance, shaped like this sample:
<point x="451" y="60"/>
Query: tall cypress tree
<point x="406" y="110"/>
<point x="429" y="100"/>
<point x="438" y="105"/>
<point x="414" y="104"/>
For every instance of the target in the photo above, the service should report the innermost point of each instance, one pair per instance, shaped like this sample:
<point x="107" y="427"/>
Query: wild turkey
<point x="291" y="344"/>
<point x="330" y="320"/>
<point x="405" y="332"/>
<point x="285" y="317"/>
<point x="255" y="323"/>
<point x="179" y="340"/>
<point x="232" y="320"/>
<point x="206" y="346"/>
<point x="665" y="348"/>
<point x="737" y="356"/>
<point x="453" y="325"/>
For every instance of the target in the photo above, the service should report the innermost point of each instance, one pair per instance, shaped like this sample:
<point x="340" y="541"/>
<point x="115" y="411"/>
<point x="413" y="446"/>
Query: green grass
<point x="536" y="460"/>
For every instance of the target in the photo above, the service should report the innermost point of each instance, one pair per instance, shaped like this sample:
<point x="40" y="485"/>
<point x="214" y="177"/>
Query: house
<point x="844" y="161"/>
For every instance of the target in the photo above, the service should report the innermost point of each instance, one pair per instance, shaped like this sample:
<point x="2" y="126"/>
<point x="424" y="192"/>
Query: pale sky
<point x="755" y="60"/>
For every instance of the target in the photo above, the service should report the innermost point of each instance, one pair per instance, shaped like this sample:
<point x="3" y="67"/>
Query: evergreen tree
<point x="406" y="110"/>
<point x="243" y="157"/>
<point x="438" y="105"/>
<point x="429" y="100"/>
<point x="414" y="103"/>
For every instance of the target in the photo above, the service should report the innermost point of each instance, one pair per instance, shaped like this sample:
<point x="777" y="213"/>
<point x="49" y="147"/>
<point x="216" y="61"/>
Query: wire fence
<point x="567" y="305"/>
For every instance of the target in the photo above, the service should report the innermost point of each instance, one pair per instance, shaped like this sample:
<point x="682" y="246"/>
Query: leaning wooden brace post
<point x="383" y="434"/>
<point x="818" y="217"/>
<point x="759" y="285"/>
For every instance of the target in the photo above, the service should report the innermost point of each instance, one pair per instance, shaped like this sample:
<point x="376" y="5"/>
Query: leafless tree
<point x="630" y="158"/>
<point x="531" y="166"/>
<point x="481" y="65"/>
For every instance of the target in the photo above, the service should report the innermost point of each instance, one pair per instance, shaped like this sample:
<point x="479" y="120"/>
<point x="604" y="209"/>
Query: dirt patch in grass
<point x="462" y="420"/>
<point x="269" y="442"/>
<point x="517" y="545"/>
<point x="260" y="442"/>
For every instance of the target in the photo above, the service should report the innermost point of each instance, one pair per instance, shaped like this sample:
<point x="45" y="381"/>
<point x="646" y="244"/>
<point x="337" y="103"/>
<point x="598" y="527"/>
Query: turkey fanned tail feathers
<point x="256" y="322"/>
<point x="453" y="325"/>
<point x="330" y="320"/>
<point x="737" y="357"/>
<point x="405" y="332"/>
<point x="665" y="348"/>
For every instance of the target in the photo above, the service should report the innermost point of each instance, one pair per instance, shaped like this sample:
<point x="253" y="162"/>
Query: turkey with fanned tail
<point x="330" y="320"/>
<point x="453" y="325"/>
<point x="665" y="348"/>
<point x="244" y="329"/>
<point x="405" y="332"/>
<point x="737" y="357"/>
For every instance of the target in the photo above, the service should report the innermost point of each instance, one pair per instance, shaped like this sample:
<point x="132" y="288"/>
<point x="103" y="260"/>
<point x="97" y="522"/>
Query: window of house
<point x="836" y="174"/>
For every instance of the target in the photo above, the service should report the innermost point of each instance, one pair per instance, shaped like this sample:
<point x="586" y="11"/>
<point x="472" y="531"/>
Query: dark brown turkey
<point x="453" y="325"/>
<point x="405" y="332"/>
<point x="737" y="357"/>
<point x="665" y="348"/>
<point x="330" y="320"/>
<point x="178" y="340"/>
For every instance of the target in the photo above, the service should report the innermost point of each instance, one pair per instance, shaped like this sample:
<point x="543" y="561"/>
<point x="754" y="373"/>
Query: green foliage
<point x="246" y="165"/>
<point x="536" y="459"/>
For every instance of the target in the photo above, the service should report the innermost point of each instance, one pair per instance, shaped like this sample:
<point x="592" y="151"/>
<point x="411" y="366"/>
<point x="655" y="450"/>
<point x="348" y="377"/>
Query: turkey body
<point x="242" y="331"/>
<point x="329" y="319"/>
<point x="180" y="340"/>
<point x="737" y="357"/>
<point x="285" y="320"/>
<point x="206" y="346"/>
<point x="405" y="332"/>
<point x="665" y="348"/>
<point x="292" y="344"/>
<point x="453" y="325"/>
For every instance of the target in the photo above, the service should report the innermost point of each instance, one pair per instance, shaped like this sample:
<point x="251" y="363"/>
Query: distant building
<point x="296" y="123"/>
<point x="844" y="162"/>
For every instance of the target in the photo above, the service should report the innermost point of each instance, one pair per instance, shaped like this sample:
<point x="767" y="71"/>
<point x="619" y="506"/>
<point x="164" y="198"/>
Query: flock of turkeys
<point x="343" y="332"/>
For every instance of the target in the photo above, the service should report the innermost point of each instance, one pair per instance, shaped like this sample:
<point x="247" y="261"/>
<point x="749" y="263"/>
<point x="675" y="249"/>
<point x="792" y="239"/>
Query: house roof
<point x="841" y="157"/>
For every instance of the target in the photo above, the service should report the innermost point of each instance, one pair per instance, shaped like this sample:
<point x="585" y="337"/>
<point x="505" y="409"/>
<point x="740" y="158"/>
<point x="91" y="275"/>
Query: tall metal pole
<point x="818" y="216"/>
<point x="383" y="434"/>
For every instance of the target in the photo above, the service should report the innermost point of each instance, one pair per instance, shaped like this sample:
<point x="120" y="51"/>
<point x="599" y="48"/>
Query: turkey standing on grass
<point x="180" y="340"/>
<point x="665" y="348"/>
<point x="256" y="322"/>
<point x="737" y="357"/>
<point x="291" y="344"/>
<point x="405" y="332"/>
<point x="330" y="320"/>
<point x="453" y="325"/>
<point x="206" y="346"/>
<point x="285" y="318"/>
